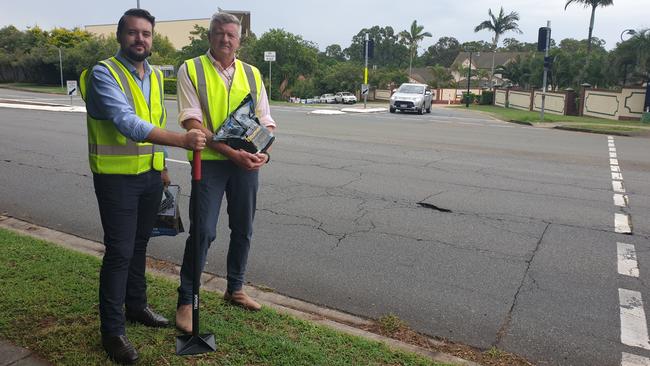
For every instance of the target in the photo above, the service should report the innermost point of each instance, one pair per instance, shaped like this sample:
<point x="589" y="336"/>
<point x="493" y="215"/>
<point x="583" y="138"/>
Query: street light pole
<point x="138" y="4"/>
<point x="469" y="77"/>
<point x="628" y="31"/>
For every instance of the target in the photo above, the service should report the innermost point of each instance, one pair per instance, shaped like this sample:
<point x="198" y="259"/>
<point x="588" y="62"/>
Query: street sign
<point x="364" y="89"/>
<point x="269" y="55"/>
<point x="72" y="87"/>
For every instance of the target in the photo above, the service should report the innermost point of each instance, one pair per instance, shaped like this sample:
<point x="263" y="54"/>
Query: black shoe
<point x="119" y="349"/>
<point x="147" y="317"/>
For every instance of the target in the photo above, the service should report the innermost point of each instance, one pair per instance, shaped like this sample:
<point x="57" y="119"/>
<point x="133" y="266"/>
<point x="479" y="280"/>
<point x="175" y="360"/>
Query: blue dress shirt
<point x="106" y="101"/>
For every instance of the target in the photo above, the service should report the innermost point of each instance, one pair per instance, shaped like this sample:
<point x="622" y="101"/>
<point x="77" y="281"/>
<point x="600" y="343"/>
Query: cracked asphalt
<point x="467" y="228"/>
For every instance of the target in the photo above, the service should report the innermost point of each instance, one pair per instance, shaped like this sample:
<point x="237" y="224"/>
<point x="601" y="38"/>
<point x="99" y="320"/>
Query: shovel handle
<point x="196" y="166"/>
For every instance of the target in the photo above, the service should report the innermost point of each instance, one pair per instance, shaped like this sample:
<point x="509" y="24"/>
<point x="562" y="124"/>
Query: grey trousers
<point x="240" y="186"/>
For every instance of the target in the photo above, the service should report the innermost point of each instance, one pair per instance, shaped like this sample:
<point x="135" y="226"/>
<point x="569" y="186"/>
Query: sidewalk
<point x="11" y="355"/>
<point x="339" y="321"/>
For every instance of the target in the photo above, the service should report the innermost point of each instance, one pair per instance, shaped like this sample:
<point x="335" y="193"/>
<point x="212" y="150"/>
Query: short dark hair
<point x="140" y="13"/>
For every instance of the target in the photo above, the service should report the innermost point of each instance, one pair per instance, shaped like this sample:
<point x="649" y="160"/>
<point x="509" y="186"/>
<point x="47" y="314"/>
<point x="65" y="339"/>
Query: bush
<point x="473" y="98"/>
<point x="170" y="86"/>
<point x="487" y="98"/>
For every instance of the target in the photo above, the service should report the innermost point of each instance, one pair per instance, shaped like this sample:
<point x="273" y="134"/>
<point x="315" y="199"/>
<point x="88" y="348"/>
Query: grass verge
<point x="576" y="123"/>
<point x="54" y="89"/>
<point x="49" y="305"/>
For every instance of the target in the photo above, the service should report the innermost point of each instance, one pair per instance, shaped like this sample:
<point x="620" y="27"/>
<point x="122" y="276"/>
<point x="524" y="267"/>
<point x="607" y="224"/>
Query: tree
<point x="442" y="53"/>
<point x="412" y="38"/>
<point x="388" y="51"/>
<point x="513" y="45"/>
<point x="441" y="77"/>
<point x="499" y="25"/>
<point x="593" y="4"/>
<point x="335" y="52"/>
<point x="632" y="57"/>
<point x="295" y="57"/>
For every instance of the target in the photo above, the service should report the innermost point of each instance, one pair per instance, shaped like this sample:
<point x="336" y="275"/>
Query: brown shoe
<point x="240" y="298"/>
<point x="184" y="318"/>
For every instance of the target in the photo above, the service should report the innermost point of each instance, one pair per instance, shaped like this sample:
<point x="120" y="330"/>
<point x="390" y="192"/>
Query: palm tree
<point x="499" y="25"/>
<point x="412" y="38"/>
<point x="594" y="4"/>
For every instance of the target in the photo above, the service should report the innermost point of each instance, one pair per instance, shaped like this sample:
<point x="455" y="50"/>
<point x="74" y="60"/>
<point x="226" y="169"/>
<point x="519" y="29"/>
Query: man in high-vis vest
<point x="210" y="87"/>
<point x="126" y="127"/>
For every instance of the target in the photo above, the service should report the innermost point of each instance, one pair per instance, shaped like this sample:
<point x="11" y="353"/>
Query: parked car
<point x="327" y="98"/>
<point x="411" y="97"/>
<point x="345" y="98"/>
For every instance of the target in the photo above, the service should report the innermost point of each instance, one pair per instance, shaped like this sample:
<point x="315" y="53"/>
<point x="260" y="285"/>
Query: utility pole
<point x="138" y="4"/>
<point x="365" y="76"/>
<point x="469" y="77"/>
<point x="546" y="65"/>
<point x="61" y="67"/>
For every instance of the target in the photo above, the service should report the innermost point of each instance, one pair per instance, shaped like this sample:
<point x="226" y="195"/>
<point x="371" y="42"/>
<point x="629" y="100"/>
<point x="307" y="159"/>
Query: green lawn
<point x="49" y="304"/>
<point x="588" y="124"/>
<point x="36" y="87"/>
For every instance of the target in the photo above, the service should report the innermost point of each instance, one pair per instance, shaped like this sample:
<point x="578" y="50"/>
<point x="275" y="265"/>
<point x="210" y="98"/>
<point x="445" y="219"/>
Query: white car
<point x="411" y="97"/>
<point x="327" y="98"/>
<point x="345" y="98"/>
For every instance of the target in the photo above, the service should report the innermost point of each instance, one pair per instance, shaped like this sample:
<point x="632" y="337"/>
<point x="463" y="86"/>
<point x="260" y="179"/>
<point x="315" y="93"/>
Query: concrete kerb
<point x="11" y="355"/>
<point x="337" y="320"/>
<point x="364" y="110"/>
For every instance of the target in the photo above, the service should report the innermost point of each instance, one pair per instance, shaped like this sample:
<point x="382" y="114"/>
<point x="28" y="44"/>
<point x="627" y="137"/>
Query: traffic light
<point x="542" y="37"/>
<point x="371" y="48"/>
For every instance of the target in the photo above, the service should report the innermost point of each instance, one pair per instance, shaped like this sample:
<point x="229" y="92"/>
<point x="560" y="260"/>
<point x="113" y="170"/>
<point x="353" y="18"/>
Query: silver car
<point x="411" y="97"/>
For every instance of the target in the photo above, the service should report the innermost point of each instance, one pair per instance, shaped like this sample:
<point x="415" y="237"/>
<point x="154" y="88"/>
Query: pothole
<point x="433" y="207"/>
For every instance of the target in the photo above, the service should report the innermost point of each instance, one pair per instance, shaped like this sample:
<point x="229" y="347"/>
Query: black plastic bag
<point x="168" y="221"/>
<point x="242" y="130"/>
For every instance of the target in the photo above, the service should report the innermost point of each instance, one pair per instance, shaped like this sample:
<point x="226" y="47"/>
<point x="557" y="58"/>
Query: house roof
<point x="484" y="59"/>
<point x="421" y="75"/>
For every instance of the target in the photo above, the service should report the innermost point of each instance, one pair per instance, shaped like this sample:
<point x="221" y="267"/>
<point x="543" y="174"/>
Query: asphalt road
<point x="467" y="228"/>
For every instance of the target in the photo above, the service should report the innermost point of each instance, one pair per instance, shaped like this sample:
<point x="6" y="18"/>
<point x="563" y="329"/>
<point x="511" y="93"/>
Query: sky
<point x="327" y="22"/>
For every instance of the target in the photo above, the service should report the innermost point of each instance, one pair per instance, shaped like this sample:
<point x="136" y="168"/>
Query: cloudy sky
<point x="327" y="22"/>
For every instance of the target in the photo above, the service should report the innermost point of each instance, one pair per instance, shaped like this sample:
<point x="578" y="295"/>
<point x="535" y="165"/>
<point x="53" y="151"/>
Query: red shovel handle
<point x="196" y="166"/>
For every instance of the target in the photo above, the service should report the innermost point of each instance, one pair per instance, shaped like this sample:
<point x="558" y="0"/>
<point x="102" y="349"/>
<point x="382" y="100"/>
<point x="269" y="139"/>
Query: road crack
<point x="508" y="319"/>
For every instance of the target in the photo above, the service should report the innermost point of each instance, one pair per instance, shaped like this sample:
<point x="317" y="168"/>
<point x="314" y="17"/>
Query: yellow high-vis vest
<point x="216" y="103"/>
<point x="110" y="152"/>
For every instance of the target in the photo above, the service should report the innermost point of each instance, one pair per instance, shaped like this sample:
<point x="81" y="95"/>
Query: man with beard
<point x="126" y="127"/>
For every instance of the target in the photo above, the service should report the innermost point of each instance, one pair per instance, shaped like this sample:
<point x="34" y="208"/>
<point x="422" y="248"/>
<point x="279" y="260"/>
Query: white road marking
<point x="611" y="144"/>
<point x="615" y="168"/>
<point x="45" y="108"/>
<point x="620" y="200"/>
<point x="613" y="161"/>
<point x="612" y="149"/>
<point x="617" y="176"/>
<point x="627" y="263"/>
<point x="612" y="155"/>
<point x="618" y="186"/>
<point x="634" y="327"/>
<point x="622" y="223"/>
<point x="178" y="161"/>
<point x="634" y="360"/>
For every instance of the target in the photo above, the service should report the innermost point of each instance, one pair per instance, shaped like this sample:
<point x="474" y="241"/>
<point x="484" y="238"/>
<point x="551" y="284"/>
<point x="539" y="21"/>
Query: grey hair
<point x="222" y="18"/>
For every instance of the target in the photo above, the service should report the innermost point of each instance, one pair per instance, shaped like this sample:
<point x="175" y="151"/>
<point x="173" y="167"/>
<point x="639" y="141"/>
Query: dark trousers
<point x="128" y="205"/>
<point x="240" y="188"/>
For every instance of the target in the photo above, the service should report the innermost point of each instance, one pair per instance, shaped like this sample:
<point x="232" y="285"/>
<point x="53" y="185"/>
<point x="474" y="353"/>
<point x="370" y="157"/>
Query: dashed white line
<point x="615" y="168"/>
<point x="634" y="328"/>
<point x="612" y="155"/>
<point x="627" y="263"/>
<point x="634" y="360"/>
<point x="617" y="186"/>
<point x="178" y="161"/>
<point x="617" y="176"/>
<point x="620" y="200"/>
<point x="622" y="223"/>
<point x="613" y="161"/>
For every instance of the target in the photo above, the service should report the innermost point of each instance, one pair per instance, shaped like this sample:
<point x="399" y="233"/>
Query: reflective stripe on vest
<point x="110" y="152"/>
<point x="210" y="87"/>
